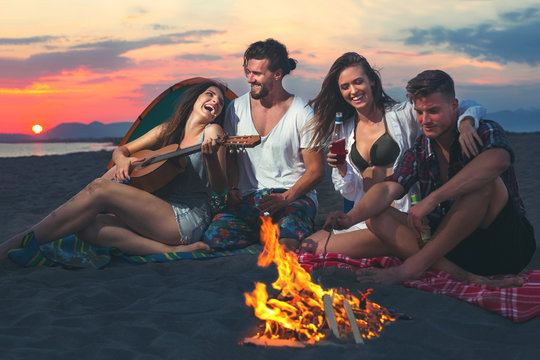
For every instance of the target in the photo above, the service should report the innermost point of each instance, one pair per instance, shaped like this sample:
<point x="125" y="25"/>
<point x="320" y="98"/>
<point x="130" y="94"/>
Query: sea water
<point x="52" y="148"/>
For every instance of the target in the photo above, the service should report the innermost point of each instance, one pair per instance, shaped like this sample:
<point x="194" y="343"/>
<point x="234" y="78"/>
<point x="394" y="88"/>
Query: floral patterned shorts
<point x="238" y="227"/>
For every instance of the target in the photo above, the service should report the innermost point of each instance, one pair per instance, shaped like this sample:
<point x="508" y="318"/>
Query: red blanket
<point x="518" y="304"/>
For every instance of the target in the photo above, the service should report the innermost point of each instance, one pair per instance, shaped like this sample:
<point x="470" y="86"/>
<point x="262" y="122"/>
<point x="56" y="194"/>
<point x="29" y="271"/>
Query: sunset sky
<point x="84" y="61"/>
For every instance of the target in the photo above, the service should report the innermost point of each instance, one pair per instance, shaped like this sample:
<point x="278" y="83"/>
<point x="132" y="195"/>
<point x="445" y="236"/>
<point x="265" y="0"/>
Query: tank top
<point x="191" y="185"/>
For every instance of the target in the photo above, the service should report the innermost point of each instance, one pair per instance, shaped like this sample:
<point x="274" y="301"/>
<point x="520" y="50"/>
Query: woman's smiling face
<point x="355" y="87"/>
<point x="210" y="103"/>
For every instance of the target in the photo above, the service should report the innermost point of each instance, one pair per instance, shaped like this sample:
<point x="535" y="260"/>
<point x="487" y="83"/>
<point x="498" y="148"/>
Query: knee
<point x="98" y="189"/>
<point x="97" y="185"/>
<point x="377" y="222"/>
<point x="485" y="194"/>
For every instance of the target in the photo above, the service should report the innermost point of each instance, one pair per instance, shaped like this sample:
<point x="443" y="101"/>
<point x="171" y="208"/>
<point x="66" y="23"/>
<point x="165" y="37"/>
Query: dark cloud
<point x="100" y="80"/>
<point x="525" y="15"/>
<point x="99" y="60"/>
<point x="514" y="37"/>
<point x="27" y="40"/>
<point x="121" y="46"/>
<point x="200" y="57"/>
<point x="100" y="56"/>
<point x="160" y="27"/>
<point x="139" y="10"/>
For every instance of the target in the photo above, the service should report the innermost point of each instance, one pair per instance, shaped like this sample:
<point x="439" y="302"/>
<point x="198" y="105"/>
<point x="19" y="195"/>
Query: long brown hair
<point x="329" y="100"/>
<point x="175" y="130"/>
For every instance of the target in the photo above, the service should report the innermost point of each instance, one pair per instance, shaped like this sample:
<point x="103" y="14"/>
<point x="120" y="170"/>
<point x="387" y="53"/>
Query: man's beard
<point x="262" y="92"/>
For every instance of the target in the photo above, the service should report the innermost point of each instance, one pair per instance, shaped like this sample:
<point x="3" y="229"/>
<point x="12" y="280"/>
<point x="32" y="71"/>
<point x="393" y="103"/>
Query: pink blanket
<point x="518" y="304"/>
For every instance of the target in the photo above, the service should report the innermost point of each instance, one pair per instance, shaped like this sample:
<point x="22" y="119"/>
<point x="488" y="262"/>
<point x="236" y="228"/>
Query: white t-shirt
<point x="277" y="161"/>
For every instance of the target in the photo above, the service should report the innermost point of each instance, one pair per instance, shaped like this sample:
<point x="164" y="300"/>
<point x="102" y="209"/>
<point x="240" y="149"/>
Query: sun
<point x="37" y="129"/>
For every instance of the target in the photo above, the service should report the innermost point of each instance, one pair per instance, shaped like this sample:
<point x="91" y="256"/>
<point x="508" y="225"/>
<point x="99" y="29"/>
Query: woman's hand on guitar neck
<point x="209" y="147"/>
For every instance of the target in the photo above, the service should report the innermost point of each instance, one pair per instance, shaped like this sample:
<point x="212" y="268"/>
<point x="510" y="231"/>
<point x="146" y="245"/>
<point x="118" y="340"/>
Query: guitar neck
<point x="234" y="141"/>
<point x="181" y="152"/>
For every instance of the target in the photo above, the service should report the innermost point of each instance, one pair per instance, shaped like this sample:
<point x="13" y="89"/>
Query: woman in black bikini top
<point x="383" y="152"/>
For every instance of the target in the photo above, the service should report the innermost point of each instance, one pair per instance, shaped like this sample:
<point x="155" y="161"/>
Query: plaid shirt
<point x="419" y="164"/>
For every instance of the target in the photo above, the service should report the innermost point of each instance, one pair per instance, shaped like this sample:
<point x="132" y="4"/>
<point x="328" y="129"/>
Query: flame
<point x="298" y="311"/>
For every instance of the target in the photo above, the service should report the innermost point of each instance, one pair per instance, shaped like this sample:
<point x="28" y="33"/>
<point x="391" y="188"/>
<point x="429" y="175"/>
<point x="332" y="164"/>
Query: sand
<point x="195" y="309"/>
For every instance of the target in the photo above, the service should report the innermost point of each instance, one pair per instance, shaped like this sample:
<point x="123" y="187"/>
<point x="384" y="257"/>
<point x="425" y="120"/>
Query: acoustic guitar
<point x="160" y="166"/>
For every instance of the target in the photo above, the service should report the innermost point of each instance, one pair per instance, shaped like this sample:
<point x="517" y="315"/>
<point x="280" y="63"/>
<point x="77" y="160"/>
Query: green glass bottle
<point x="425" y="236"/>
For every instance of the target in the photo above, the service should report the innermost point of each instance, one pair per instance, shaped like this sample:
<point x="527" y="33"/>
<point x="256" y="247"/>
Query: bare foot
<point x="390" y="275"/>
<point x="508" y="282"/>
<point x="290" y="244"/>
<point x="309" y="246"/>
<point x="196" y="246"/>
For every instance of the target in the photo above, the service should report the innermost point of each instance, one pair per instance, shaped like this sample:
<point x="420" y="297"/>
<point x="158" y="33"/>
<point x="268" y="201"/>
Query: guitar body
<point x="156" y="175"/>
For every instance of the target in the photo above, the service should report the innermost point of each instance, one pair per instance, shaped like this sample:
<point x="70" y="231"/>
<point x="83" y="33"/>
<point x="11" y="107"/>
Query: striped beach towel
<point x="518" y="304"/>
<point x="72" y="253"/>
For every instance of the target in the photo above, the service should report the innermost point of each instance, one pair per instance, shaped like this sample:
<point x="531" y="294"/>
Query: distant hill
<point x="517" y="120"/>
<point x="74" y="131"/>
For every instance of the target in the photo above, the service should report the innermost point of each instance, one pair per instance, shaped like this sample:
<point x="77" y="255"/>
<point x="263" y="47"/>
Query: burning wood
<point x="303" y="312"/>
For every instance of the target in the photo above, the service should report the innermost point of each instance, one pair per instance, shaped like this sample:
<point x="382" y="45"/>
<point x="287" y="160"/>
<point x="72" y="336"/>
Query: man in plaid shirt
<point x="475" y="213"/>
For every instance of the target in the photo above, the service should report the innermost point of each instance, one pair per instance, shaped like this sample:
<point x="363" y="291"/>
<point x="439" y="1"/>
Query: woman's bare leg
<point x="392" y="230"/>
<point x="140" y="211"/>
<point x="356" y="244"/>
<point x="107" y="230"/>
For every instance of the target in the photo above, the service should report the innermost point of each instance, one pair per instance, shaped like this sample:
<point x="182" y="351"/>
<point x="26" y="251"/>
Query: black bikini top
<point x="383" y="152"/>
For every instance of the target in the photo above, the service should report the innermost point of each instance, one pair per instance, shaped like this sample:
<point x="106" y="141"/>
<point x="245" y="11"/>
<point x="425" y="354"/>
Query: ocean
<point x="53" y="148"/>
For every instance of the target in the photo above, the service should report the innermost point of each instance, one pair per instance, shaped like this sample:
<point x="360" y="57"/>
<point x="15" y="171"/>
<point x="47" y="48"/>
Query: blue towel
<point x="73" y="253"/>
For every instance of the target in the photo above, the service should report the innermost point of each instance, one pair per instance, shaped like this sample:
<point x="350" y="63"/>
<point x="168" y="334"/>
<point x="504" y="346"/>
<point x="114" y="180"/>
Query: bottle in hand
<point x="338" y="140"/>
<point x="425" y="236"/>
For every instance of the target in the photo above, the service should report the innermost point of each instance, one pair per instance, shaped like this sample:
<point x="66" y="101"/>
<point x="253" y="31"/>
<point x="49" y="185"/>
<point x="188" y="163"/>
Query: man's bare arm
<point x="482" y="170"/>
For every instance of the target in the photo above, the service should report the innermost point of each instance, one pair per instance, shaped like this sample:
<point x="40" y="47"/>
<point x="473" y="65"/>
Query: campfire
<point x="303" y="313"/>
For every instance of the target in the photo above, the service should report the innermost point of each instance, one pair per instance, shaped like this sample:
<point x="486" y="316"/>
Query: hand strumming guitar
<point x="124" y="166"/>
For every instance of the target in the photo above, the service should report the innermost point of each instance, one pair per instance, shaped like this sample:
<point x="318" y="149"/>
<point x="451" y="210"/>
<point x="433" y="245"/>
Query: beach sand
<point x="194" y="309"/>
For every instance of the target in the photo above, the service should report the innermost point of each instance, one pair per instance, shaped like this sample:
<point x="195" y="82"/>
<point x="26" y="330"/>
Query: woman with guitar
<point x="113" y="213"/>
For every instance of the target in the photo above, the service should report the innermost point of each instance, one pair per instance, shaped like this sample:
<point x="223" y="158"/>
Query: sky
<point x="101" y="60"/>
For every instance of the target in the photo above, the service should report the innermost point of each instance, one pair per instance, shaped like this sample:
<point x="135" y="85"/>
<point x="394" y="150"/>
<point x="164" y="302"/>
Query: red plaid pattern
<point x="517" y="304"/>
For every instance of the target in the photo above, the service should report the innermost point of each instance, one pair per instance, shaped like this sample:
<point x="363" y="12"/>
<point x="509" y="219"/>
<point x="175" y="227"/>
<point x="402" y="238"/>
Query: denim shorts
<point x="192" y="221"/>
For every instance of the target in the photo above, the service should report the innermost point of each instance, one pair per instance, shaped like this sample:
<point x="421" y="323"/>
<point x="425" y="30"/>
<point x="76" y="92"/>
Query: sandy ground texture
<point x="194" y="309"/>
